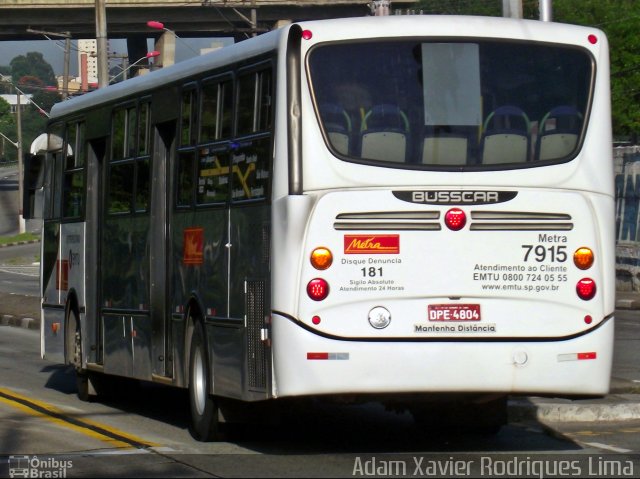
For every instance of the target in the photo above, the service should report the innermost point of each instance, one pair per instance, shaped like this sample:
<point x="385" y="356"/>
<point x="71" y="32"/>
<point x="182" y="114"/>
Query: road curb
<point x="611" y="408"/>
<point x="26" y="323"/>
<point x="18" y="243"/>
<point x="627" y="304"/>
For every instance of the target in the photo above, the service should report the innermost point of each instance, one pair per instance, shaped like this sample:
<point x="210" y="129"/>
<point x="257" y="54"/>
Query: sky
<point x="53" y="50"/>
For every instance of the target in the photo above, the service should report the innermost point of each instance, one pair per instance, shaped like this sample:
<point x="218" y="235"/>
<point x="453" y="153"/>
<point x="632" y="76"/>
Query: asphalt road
<point x="20" y="272"/>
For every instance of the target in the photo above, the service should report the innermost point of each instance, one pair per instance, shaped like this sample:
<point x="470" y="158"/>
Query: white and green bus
<point x="413" y="210"/>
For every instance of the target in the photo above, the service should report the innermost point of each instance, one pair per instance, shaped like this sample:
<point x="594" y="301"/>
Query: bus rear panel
<point x="457" y="220"/>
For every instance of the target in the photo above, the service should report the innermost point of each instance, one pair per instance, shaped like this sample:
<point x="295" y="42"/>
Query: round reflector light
<point x="318" y="289"/>
<point x="321" y="258"/>
<point x="307" y="34"/>
<point x="455" y="219"/>
<point x="586" y="289"/>
<point x="379" y="317"/>
<point x="592" y="39"/>
<point x="583" y="258"/>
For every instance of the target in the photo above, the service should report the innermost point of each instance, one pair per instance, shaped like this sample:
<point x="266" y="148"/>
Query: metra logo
<point x="456" y="197"/>
<point x="367" y="244"/>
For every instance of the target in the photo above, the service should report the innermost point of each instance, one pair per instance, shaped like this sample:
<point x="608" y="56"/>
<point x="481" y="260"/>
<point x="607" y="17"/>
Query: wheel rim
<point x="199" y="382"/>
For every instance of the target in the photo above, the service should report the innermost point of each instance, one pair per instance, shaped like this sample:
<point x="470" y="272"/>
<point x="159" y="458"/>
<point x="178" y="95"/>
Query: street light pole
<point x="151" y="54"/>
<point x="21" y="224"/>
<point x="65" y="73"/>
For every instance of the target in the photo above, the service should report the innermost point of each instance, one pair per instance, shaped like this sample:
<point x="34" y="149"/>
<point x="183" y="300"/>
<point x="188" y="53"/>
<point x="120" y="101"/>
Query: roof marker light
<point x="592" y="39"/>
<point x="307" y="34"/>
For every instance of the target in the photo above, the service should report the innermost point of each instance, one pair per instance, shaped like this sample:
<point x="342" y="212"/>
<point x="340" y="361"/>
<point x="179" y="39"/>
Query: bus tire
<point x="73" y="352"/>
<point x="204" y="407"/>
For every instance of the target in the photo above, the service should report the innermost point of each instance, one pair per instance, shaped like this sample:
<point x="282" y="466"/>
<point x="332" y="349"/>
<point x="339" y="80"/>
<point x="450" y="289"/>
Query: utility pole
<point x="546" y="10"/>
<point x="512" y="8"/>
<point x="101" y="40"/>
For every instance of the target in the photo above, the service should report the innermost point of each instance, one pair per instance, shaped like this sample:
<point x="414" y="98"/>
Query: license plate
<point x="453" y="312"/>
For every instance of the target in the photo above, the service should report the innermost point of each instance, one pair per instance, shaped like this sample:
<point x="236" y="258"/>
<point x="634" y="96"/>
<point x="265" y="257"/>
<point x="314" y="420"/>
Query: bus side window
<point x="188" y="132"/>
<point x="129" y="166"/>
<point x="33" y="182"/>
<point x="73" y="181"/>
<point x="210" y="99"/>
<point x="265" y="102"/>
<point x="251" y="160"/>
<point x="246" y="104"/>
<point x="184" y="179"/>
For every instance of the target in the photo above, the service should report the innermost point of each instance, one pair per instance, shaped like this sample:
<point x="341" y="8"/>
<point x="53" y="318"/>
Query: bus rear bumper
<point x="306" y="364"/>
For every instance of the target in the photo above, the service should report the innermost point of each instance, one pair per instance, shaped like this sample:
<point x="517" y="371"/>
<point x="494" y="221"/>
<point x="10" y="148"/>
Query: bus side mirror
<point x="32" y="181"/>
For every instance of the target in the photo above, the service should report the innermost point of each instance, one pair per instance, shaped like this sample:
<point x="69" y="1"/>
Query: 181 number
<point x="371" y="271"/>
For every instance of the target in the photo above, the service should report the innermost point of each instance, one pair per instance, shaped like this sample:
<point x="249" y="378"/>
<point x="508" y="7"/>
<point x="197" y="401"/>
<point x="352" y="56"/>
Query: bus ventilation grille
<point x="257" y="357"/>
<point x="519" y="221"/>
<point x="389" y="220"/>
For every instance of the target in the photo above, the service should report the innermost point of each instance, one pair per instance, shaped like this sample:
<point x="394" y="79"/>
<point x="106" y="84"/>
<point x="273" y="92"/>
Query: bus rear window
<point x="439" y="104"/>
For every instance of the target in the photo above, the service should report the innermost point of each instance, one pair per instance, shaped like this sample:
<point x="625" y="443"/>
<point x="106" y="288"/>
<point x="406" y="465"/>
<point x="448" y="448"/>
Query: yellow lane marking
<point x="626" y="430"/>
<point x="114" y="437"/>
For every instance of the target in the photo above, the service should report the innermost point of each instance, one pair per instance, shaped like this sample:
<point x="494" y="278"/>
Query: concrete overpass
<point x="188" y="18"/>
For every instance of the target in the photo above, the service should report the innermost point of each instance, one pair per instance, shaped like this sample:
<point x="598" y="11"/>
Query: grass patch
<point x="18" y="238"/>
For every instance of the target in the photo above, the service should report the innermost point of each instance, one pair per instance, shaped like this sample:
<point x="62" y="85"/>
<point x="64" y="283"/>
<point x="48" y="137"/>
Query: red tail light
<point x="318" y="289"/>
<point x="586" y="289"/>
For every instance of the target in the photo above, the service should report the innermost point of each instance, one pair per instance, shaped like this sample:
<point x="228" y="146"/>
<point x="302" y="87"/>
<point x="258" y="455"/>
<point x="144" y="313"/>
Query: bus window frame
<point x="590" y="91"/>
<point x="136" y="159"/>
<point x="80" y="144"/>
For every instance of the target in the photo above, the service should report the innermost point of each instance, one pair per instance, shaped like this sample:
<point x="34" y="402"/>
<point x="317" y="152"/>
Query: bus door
<point x="125" y="245"/>
<point x="160" y="207"/>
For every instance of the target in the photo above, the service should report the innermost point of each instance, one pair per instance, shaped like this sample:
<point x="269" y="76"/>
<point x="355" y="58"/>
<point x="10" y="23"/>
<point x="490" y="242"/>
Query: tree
<point x="8" y="128"/>
<point x="32" y="65"/>
<point x="619" y="20"/>
<point x="460" y="7"/>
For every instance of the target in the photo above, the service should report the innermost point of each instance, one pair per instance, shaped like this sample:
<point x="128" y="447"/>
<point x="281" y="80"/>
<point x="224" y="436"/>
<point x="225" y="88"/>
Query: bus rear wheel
<point x="73" y="352"/>
<point x="204" y="407"/>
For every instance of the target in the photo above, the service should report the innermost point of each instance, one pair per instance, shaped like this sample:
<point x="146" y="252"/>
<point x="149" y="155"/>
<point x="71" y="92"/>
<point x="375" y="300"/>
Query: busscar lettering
<point x="455" y="197"/>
